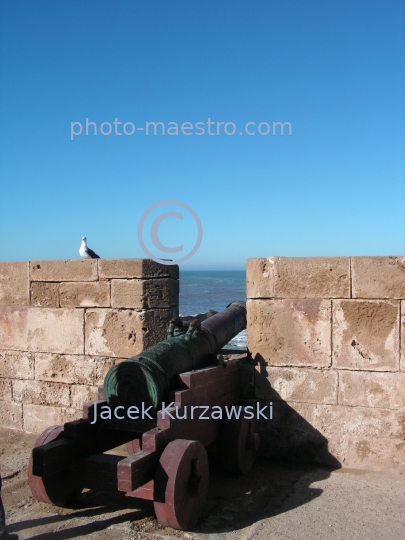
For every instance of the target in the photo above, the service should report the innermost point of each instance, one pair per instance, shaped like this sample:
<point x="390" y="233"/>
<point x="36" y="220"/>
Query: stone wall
<point x="327" y="336"/>
<point x="64" y="324"/>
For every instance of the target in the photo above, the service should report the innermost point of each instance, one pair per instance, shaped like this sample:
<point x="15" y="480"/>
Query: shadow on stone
<point x="291" y="450"/>
<point x="289" y="436"/>
<point x="236" y="502"/>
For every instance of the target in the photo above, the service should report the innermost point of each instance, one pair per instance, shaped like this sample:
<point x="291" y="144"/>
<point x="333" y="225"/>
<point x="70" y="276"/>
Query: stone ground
<point x="276" y="501"/>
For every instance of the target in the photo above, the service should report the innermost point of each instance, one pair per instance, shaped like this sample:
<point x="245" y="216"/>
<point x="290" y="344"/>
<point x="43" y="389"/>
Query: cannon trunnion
<point x="167" y="461"/>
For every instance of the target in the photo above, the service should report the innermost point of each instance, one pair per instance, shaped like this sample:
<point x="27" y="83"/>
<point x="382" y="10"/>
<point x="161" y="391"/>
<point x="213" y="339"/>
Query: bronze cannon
<point x="167" y="460"/>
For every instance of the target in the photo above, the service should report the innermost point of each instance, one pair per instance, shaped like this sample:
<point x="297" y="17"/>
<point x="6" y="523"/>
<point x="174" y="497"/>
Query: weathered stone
<point x="403" y="335"/>
<point x="69" y="414"/>
<point x="155" y="324"/>
<point x="368" y="453"/>
<point x="124" y="333"/>
<point x="135" y="268"/>
<point x="314" y="432"/>
<point x="64" y="270"/>
<point x="354" y="437"/>
<point x="320" y="433"/>
<point x="297" y="418"/>
<point x="290" y="332"/>
<point x="298" y="277"/>
<point x="11" y="415"/>
<point x="144" y="294"/>
<point x="41" y="393"/>
<point x="72" y="369"/>
<point x="37" y="418"/>
<point x="365" y="389"/>
<point x="291" y="435"/>
<point x="374" y="454"/>
<point x="17" y="365"/>
<point x="296" y="384"/>
<point x="14" y="283"/>
<point x="260" y="277"/>
<point x="378" y="277"/>
<point x="339" y="420"/>
<point x="41" y="329"/>
<point x="13" y="327"/>
<point x="6" y="393"/>
<point x="366" y="334"/>
<point x="82" y="394"/>
<point x="45" y="294"/>
<point x="85" y="294"/>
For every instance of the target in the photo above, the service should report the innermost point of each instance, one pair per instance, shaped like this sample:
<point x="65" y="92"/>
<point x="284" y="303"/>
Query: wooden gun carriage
<point x="167" y="461"/>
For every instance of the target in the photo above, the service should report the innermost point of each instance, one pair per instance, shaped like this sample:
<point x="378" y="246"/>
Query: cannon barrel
<point x="149" y="376"/>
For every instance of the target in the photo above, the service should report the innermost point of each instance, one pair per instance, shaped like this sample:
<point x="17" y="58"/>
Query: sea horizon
<point x="202" y="290"/>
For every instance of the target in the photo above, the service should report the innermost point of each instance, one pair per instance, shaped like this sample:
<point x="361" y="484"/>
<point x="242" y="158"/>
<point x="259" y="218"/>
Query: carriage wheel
<point x="59" y="488"/>
<point x="240" y="443"/>
<point x="181" y="484"/>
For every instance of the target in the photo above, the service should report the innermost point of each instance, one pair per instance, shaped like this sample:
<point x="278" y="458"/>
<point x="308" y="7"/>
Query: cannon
<point x="148" y="377"/>
<point x="152" y="403"/>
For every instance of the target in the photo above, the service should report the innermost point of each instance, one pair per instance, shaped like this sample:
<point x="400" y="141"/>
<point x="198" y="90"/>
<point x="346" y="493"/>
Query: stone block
<point x="45" y="294"/>
<point x="372" y="389"/>
<point x="339" y="420"/>
<point x="144" y="294"/>
<point x="155" y="324"/>
<point x="72" y="369"/>
<point x="37" y="418"/>
<point x="42" y="329"/>
<point x="402" y="363"/>
<point x="82" y="394"/>
<point x="64" y="270"/>
<point x="298" y="277"/>
<point x="11" y="415"/>
<point x="283" y="412"/>
<point x="14" y="283"/>
<point x="374" y="454"/>
<point x="290" y="332"/>
<point x="320" y="433"/>
<point x="309" y="432"/>
<point x="69" y="414"/>
<point x="6" y="392"/>
<point x="300" y="421"/>
<point x="291" y="435"/>
<point x="135" y="268"/>
<point x="378" y="277"/>
<point x="366" y="335"/>
<point x="17" y="365"/>
<point x="296" y="384"/>
<point x="124" y="333"/>
<point x="85" y="294"/>
<point x="14" y="327"/>
<point x="41" y="393"/>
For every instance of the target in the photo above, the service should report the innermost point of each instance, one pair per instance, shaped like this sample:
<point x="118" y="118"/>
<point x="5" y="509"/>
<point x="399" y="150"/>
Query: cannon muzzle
<point x="148" y="377"/>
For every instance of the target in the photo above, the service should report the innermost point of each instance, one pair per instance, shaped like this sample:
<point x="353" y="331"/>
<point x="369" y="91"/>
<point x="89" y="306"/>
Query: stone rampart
<point x="64" y="324"/>
<point x="327" y="336"/>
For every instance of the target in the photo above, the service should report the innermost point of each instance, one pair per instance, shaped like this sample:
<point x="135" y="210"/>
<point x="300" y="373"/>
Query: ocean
<point x="201" y="290"/>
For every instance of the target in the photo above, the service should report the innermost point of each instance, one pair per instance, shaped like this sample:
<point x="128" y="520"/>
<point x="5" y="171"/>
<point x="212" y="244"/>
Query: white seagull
<point x="85" y="252"/>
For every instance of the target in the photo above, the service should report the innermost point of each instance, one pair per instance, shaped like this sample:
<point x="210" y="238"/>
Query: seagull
<point x="85" y="252"/>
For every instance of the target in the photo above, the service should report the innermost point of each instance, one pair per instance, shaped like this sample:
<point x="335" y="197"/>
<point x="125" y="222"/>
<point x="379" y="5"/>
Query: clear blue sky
<point x="334" y="70"/>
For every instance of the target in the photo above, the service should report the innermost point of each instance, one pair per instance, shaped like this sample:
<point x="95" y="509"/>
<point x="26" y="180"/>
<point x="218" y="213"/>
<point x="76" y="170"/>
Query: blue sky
<point x="334" y="70"/>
